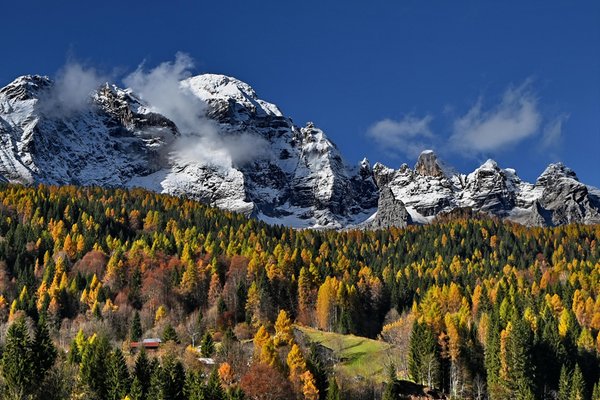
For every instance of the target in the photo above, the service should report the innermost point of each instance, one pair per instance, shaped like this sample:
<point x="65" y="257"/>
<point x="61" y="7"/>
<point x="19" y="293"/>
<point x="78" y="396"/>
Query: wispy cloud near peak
<point x="514" y="119"/>
<point x="408" y="135"/>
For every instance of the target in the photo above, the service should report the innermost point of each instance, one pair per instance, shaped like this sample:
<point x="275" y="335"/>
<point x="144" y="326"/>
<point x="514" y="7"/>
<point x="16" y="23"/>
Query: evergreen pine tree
<point x="520" y="379"/>
<point x="414" y="359"/>
<point x="173" y="379"/>
<point x="333" y="390"/>
<point x="235" y="393"/>
<point x="143" y="372"/>
<point x="492" y="358"/>
<point x="207" y="345"/>
<point x="391" y="387"/>
<point x="228" y="342"/>
<point x="213" y="389"/>
<point x="320" y="371"/>
<point x="136" y="393"/>
<point x="596" y="391"/>
<point x="18" y="363"/>
<point x="155" y="388"/>
<point x="577" y="385"/>
<point x="135" y="333"/>
<point x="423" y="356"/>
<point x="564" y="384"/>
<point x="118" y="376"/>
<point x="74" y="357"/>
<point x="169" y="334"/>
<point x="96" y="312"/>
<point x="194" y="386"/>
<point x="93" y="370"/>
<point x="549" y="354"/>
<point x="44" y="352"/>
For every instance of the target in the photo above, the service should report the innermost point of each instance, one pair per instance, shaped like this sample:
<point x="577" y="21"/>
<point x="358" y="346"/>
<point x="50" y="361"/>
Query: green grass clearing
<point x="358" y="356"/>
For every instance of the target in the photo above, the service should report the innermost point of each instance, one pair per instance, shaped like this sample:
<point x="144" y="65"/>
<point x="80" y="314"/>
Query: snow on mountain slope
<point x="556" y="198"/>
<point x="105" y="143"/>
<point x="245" y="155"/>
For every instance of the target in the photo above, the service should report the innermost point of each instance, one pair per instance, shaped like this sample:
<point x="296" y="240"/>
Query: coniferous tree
<point x="577" y="391"/>
<point x="520" y="366"/>
<point x="44" y="352"/>
<point x="194" y="386"/>
<point x="596" y="391"/>
<point x="135" y="392"/>
<point x="492" y="359"/>
<point x="207" y="345"/>
<point x="173" y="379"/>
<point x="228" y="342"/>
<point x="235" y="393"/>
<point x="213" y="389"/>
<point x="320" y="371"/>
<point x="549" y="354"/>
<point x="333" y="390"/>
<point x="414" y="359"/>
<point x="169" y="334"/>
<point x="135" y="333"/>
<point x="283" y="329"/>
<point x="93" y="370"/>
<point x="564" y="384"/>
<point x="18" y="363"/>
<point x="155" y="388"/>
<point x="118" y="378"/>
<point x="74" y="356"/>
<point x="391" y="387"/>
<point x="143" y="372"/>
<point x="423" y="357"/>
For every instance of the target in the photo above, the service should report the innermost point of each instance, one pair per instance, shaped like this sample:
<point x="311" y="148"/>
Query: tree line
<point x="480" y="306"/>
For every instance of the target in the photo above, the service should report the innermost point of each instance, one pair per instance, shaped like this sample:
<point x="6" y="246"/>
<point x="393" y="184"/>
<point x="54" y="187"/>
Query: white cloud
<point x="161" y="88"/>
<point x="201" y="140"/>
<point x="72" y="89"/>
<point x="552" y="134"/>
<point x="516" y="118"/>
<point x="409" y="136"/>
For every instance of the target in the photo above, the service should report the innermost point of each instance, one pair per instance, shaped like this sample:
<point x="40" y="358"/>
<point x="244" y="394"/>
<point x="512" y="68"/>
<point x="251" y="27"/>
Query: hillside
<point x="472" y="305"/>
<point x="356" y="357"/>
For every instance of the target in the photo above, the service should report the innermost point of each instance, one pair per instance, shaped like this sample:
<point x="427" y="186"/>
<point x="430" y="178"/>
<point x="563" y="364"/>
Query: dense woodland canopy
<point x="479" y="307"/>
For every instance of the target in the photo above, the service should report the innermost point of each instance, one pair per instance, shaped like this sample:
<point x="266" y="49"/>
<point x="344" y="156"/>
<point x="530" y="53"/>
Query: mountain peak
<point x="556" y="171"/>
<point x="365" y="163"/>
<point x="284" y="173"/>
<point x="489" y="164"/>
<point x="26" y="87"/>
<point x="428" y="164"/>
<point x="223" y="89"/>
<point x="222" y="84"/>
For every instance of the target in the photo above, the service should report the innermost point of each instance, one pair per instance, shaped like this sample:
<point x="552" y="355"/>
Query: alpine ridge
<point x="296" y="176"/>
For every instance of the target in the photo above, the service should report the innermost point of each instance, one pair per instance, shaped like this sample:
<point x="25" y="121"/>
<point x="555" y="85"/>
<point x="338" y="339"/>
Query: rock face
<point x="390" y="212"/>
<point x="294" y="176"/>
<point x="257" y="161"/>
<point x="107" y="142"/>
<point x="301" y="178"/>
<point x="556" y="198"/>
<point x="426" y="191"/>
<point x="566" y="198"/>
<point x="429" y="165"/>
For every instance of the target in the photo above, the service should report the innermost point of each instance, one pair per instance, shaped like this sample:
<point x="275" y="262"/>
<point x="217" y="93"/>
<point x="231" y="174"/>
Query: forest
<point x="479" y="308"/>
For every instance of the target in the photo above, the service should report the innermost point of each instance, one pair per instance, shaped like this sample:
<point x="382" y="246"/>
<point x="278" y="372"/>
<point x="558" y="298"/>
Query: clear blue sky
<point x="518" y="81"/>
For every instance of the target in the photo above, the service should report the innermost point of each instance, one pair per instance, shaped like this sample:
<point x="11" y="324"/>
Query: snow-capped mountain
<point x="300" y="179"/>
<point x="247" y="156"/>
<point x="106" y="143"/>
<point x="432" y="187"/>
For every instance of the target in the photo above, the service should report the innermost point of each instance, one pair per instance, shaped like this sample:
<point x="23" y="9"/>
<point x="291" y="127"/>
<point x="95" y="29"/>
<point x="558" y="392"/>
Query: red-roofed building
<point x="148" y="344"/>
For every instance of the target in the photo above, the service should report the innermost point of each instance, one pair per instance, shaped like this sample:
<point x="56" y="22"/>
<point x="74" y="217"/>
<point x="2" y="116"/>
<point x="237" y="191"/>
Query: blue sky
<point x="517" y="81"/>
